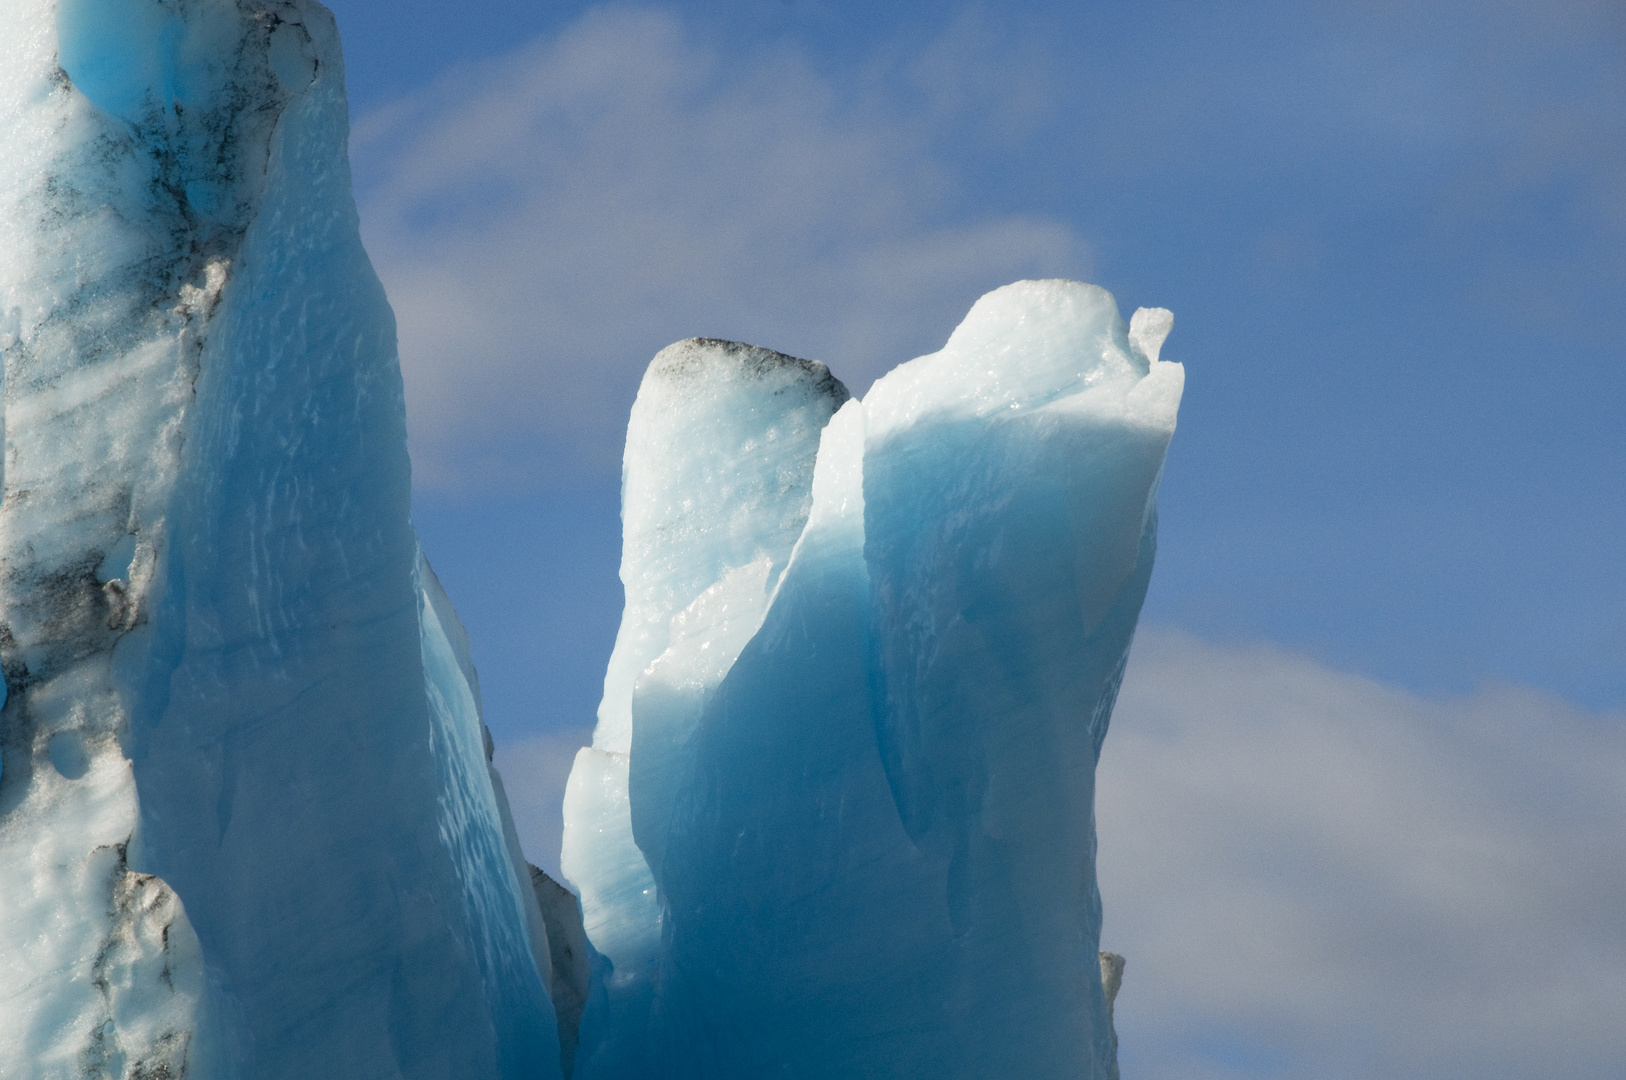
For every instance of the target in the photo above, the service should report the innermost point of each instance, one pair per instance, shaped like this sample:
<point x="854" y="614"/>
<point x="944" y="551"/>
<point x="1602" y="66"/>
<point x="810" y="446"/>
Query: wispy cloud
<point x="1313" y="874"/>
<point x="547" y="222"/>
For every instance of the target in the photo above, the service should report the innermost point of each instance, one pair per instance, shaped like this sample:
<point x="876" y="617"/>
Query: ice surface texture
<point x="247" y="823"/>
<point x="837" y="819"/>
<point x="717" y="488"/>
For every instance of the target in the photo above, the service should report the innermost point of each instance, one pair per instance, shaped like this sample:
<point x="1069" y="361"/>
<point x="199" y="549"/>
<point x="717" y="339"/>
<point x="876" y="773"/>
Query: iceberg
<point x="247" y="820"/>
<point x="837" y="819"/>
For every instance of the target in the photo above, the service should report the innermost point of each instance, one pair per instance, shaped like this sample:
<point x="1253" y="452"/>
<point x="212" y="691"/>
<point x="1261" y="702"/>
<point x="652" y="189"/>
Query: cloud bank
<point x="547" y="222"/>
<point x="1316" y="875"/>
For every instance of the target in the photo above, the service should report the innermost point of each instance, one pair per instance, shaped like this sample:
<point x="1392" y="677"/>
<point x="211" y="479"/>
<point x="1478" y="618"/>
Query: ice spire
<point x="717" y="485"/>
<point x="246" y="819"/>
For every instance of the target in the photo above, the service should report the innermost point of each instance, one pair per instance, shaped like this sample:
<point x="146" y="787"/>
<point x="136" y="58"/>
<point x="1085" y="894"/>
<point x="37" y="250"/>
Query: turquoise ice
<point x="247" y="822"/>
<point x="837" y="817"/>
<point x="852" y="820"/>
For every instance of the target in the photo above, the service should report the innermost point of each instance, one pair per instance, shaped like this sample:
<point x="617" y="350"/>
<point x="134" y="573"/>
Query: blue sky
<point x="1394" y="239"/>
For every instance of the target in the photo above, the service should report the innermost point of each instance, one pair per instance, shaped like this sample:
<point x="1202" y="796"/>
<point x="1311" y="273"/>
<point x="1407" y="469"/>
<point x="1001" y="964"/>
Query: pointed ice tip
<point x="1112" y="971"/>
<point x="1147" y="329"/>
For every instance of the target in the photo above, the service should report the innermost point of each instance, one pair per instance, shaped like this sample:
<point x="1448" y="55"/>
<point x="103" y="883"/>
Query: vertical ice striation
<point x="862" y="788"/>
<point x="247" y="821"/>
<point x="108" y="281"/>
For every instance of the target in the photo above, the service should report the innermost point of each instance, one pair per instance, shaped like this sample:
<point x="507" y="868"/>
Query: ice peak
<point x="1148" y="328"/>
<point x="1020" y="347"/>
<point x="242" y="732"/>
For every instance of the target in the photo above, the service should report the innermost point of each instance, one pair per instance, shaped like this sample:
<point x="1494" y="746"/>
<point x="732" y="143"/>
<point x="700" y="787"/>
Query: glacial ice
<point x="1112" y="977"/>
<point x="837" y="815"/>
<point x="717" y="488"/>
<point x="248" y="826"/>
<point x="851" y="832"/>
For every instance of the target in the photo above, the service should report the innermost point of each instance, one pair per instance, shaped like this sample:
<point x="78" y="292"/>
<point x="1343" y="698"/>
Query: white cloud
<point x="1313" y="874"/>
<point x="545" y="223"/>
